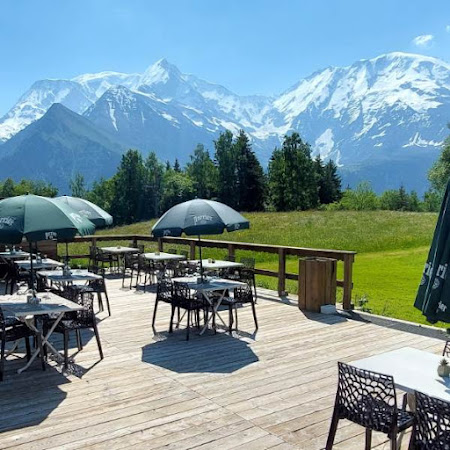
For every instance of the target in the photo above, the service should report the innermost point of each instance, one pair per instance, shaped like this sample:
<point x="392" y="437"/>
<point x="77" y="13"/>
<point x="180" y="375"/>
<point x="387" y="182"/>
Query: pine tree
<point x="153" y="186"/>
<point x="127" y="202"/>
<point x="226" y="160"/>
<point x="77" y="186"/>
<point x="176" y="166"/>
<point x="250" y="176"/>
<point x="403" y="203"/>
<point x="292" y="178"/>
<point x="203" y="173"/>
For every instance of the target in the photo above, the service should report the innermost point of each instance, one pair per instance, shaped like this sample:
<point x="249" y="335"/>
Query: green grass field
<point x="392" y="248"/>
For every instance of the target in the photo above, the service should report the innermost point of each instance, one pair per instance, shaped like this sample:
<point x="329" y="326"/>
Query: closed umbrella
<point x="37" y="218"/>
<point x="99" y="217"/>
<point x="197" y="217"/>
<point x="433" y="295"/>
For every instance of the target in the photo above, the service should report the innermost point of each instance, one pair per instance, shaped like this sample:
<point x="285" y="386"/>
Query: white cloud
<point x="447" y="28"/>
<point x="423" y="41"/>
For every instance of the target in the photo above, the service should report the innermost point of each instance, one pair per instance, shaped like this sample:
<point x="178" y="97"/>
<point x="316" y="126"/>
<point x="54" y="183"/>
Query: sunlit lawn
<point x="392" y="248"/>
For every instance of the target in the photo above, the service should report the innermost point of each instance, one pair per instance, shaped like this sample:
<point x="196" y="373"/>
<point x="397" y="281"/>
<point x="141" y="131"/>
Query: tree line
<point x="143" y="188"/>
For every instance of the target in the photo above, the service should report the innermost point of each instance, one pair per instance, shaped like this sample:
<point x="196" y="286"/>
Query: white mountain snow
<point x="393" y="105"/>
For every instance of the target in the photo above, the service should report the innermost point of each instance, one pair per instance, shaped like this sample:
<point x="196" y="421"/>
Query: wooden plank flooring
<point x="270" y="390"/>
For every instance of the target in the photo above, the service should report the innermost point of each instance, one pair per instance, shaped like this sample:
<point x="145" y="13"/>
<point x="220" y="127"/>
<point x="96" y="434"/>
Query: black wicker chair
<point x="368" y="399"/>
<point x="242" y="296"/>
<point x="7" y="274"/>
<point x="164" y="293"/>
<point x="446" y="351"/>
<point x="84" y="319"/>
<point x="183" y="299"/>
<point x="432" y="425"/>
<point x="106" y="258"/>
<point x="99" y="287"/>
<point x="12" y="330"/>
<point x="130" y="266"/>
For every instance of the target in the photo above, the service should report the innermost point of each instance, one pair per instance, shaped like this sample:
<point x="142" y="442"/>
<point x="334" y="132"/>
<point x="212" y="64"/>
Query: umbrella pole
<point x="67" y="253"/>
<point x="201" y="260"/>
<point x="30" y="245"/>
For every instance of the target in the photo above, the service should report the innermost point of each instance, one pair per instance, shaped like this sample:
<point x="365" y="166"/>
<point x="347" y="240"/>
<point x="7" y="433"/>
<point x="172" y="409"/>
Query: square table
<point x="221" y="285"/>
<point x="118" y="250"/>
<point x="161" y="256"/>
<point x="412" y="369"/>
<point x="16" y="305"/>
<point x="217" y="264"/>
<point x="58" y="276"/>
<point x="45" y="263"/>
<point x="12" y="255"/>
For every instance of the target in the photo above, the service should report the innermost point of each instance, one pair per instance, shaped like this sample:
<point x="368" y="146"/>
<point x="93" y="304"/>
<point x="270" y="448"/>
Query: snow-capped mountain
<point x="394" y="107"/>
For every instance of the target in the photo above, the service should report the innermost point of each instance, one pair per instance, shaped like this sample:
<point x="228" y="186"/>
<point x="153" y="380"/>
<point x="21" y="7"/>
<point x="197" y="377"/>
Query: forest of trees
<point x="144" y="188"/>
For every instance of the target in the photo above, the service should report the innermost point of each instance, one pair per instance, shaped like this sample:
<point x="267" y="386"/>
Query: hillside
<point x="58" y="145"/>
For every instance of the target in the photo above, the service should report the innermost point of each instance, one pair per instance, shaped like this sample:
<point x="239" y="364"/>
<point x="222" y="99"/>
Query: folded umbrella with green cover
<point x="37" y="218"/>
<point x="433" y="295"/>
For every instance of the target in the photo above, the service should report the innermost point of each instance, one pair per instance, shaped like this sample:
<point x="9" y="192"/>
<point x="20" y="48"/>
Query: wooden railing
<point x="347" y="257"/>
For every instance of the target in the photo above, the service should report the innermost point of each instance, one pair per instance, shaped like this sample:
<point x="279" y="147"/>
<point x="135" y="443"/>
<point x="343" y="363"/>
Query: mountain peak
<point x="159" y="72"/>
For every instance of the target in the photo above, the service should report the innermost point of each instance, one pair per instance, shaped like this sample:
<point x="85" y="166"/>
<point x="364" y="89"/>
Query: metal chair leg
<point x="368" y="438"/>
<point x="333" y="429"/>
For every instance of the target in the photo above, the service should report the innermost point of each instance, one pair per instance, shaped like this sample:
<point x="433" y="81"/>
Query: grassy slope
<point x="392" y="248"/>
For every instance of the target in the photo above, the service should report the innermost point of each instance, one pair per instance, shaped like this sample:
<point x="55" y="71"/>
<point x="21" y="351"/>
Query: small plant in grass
<point x="361" y="303"/>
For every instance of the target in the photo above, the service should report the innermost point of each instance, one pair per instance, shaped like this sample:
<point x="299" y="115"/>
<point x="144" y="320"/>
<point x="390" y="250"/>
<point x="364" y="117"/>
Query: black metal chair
<point x="368" y="399"/>
<point x="242" y="296"/>
<point x="79" y="320"/>
<point x="248" y="272"/>
<point x="164" y="293"/>
<point x="7" y="273"/>
<point x="431" y="429"/>
<point x="130" y="266"/>
<point x="446" y="351"/>
<point x="183" y="299"/>
<point x="99" y="287"/>
<point x="12" y="330"/>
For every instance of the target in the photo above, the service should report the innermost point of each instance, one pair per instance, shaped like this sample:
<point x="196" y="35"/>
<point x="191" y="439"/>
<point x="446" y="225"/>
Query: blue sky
<point x="249" y="46"/>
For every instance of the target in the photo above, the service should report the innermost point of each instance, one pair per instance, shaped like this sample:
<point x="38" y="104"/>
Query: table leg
<point x="214" y="310"/>
<point x="30" y="323"/>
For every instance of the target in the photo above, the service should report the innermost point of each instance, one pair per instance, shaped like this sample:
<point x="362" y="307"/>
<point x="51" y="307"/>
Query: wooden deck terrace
<point x="270" y="390"/>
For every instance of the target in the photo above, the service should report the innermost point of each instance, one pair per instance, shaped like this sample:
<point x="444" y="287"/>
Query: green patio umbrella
<point x="37" y="218"/>
<point x="197" y="217"/>
<point x="433" y="295"/>
<point x="99" y="217"/>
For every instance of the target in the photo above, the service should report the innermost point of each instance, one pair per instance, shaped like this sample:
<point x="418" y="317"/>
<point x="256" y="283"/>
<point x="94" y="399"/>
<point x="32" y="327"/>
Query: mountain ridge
<point x="390" y="104"/>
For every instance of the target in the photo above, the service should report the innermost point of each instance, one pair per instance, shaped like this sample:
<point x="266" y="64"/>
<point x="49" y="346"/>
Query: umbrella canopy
<point x="197" y="217"/>
<point x="99" y="217"/>
<point x="39" y="218"/>
<point x="433" y="295"/>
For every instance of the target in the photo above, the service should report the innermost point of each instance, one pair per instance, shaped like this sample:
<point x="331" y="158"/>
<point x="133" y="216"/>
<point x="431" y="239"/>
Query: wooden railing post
<point x="231" y="254"/>
<point x="135" y="242"/>
<point x="192" y="249"/>
<point x="348" y="281"/>
<point x="160" y="245"/>
<point x="281" y="272"/>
